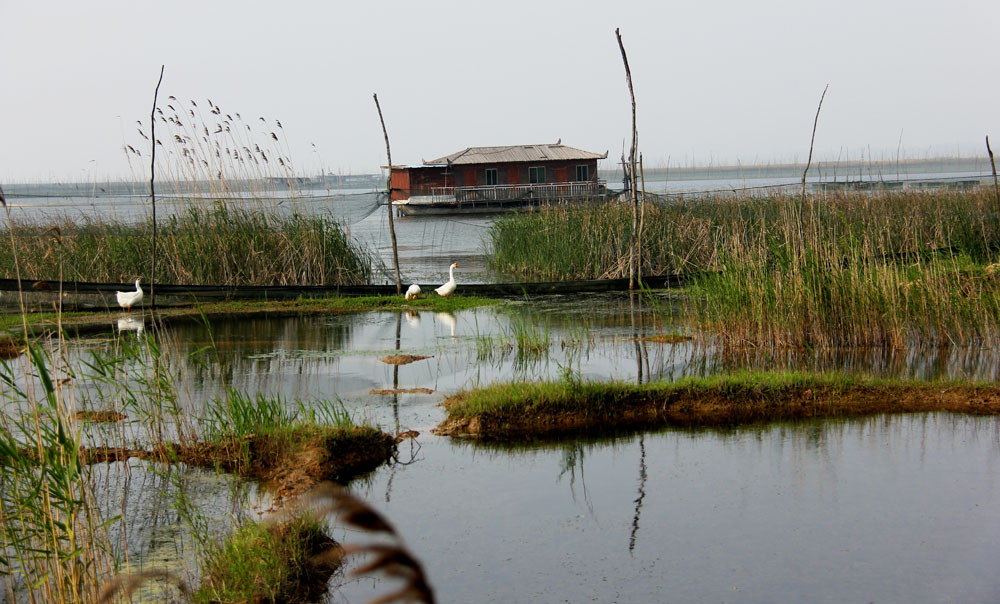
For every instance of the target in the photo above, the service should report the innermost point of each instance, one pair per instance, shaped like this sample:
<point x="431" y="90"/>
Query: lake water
<point x="893" y="508"/>
<point x="896" y="508"/>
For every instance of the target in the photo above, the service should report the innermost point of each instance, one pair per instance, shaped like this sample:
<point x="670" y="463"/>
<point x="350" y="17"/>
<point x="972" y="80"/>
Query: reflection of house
<point x="490" y="179"/>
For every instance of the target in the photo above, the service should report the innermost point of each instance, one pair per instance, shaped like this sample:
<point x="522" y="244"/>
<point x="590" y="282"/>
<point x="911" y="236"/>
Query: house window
<point x="581" y="173"/>
<point x="536" y="174"/>
<point x="491" y="176"/>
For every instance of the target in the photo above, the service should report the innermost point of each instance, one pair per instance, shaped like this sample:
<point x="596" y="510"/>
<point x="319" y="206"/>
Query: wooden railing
<point x="524" y="192"/>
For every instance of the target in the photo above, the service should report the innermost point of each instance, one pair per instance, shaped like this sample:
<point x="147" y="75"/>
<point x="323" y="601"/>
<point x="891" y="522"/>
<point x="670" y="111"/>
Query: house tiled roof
<point x="514" y="153"/>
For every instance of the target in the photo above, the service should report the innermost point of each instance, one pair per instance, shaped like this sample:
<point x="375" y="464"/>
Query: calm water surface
<point x="898" y="508"/>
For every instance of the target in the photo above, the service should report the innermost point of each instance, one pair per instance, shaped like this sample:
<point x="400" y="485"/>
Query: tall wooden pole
<point x="996" y="187"/>
<point x="633" y="242"/>
<point x="388" y="189"/>
<point x="152" y="188"/>
<point x="812" y="141"/>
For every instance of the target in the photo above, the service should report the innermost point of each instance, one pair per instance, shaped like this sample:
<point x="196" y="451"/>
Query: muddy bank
<point x="288" y="465"/>
<point x="561" y="408"/>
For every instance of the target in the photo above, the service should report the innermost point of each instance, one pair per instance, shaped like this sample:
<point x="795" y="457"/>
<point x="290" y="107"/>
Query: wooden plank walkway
<point x="285" y="292"/>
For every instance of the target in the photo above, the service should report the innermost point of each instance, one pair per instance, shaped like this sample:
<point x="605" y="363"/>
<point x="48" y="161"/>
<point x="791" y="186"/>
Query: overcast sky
<point x="718" y="82"/>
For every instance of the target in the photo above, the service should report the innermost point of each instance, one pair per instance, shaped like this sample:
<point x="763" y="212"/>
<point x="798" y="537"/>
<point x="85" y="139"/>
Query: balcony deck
<point x="499" y="198"/>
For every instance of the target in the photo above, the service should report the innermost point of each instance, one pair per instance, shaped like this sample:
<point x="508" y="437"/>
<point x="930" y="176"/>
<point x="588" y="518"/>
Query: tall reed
<point x="848" y="270"/>
<point x="567" y="242"/>
<point x="229" y="190"/>
<point x="224" y="244"/>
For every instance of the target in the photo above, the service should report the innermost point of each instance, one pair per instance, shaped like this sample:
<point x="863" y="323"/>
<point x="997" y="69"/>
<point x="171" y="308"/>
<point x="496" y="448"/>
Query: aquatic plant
<point x="54" y="540"/>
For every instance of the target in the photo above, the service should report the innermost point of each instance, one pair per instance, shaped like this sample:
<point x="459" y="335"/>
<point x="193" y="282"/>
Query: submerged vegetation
<point x="851" y="270"/>
<point x="533" y="409"/>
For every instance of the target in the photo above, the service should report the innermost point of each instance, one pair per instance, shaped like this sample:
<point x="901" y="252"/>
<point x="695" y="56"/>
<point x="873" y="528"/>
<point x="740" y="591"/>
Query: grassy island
<point x="539" y="409"/>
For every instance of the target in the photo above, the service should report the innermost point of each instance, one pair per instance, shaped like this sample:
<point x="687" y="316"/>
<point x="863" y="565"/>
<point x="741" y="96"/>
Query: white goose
<point x="448" y="288"/>
<point x="128" y="299"/>
<point x="412" y="293"/>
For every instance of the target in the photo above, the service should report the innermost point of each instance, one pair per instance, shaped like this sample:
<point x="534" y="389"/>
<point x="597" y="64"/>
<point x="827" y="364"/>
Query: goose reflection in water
<point x="448" y="320"/>
<point x="130" y="324"/>
<point x="412" y="318"/>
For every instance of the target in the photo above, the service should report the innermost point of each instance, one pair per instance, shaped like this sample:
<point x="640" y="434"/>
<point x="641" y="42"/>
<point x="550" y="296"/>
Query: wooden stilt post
<point x="388" y="188"/>
<point x="152" y="187"/>
<point x="633" y="242"/>
<point x="996" y="188"/>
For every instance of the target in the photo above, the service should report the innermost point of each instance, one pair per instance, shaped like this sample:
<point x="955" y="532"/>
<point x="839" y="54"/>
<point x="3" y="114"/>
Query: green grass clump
<point x="266" y="563"/>
<point x="511" y="399"/>
<point x="238" y="415"/>
<point x="203" y="243"/>
<point x="571" y="405"/>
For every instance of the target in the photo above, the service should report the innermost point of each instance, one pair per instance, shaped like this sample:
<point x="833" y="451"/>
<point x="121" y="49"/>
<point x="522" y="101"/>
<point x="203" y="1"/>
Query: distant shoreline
<point x="828" y="170"/>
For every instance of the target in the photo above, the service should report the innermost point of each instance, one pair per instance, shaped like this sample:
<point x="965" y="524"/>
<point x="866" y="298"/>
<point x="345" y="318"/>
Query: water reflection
<point x="821" y="507"/>
<point x="130" y="324"/>
<point x="335" y="357"/>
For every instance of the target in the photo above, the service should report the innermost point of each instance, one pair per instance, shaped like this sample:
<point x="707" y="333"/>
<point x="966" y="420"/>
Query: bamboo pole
<point x="996" y="188"/>
<point x="388" y="189"/>
<point x="642" y="222"/>
<point x="633" y="242"/>
<point x="812" y="141"/>
<point x="152" y="188"/>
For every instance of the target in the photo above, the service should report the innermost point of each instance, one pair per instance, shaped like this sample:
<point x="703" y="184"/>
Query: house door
<point x="561" y="174"/>
<point x="513" y="175"/>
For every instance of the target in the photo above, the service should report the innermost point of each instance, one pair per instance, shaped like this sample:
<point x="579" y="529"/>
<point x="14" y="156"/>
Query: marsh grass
<point x="575" y="406"/>
<point x="268" y="563"/>
<point x="230" y="214"/>
<point x="56" y="534"/>
<point x="524" y="336"/>
<point x="54" y="542"/>
<point x="851" y="270"/>
<point x="208" y="243"/>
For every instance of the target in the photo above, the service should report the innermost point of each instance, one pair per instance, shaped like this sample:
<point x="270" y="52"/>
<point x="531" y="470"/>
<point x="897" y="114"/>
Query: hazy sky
<point x="720" y="82"/>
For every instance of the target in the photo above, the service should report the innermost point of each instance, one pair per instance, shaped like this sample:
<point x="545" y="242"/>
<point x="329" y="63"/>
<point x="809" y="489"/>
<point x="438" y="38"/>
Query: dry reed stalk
<point x="633" y="242"/>
<point x="152" y="186"/>
<point x="996" y="186"/>
<point x="391" y="559"/>
<point x="812" y="140"/>
<point x="392" y="228"/>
